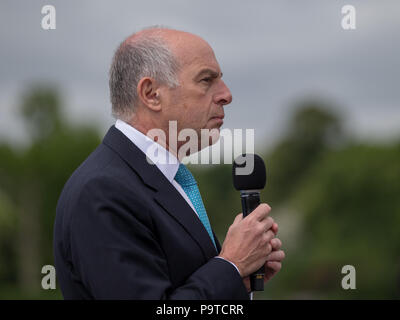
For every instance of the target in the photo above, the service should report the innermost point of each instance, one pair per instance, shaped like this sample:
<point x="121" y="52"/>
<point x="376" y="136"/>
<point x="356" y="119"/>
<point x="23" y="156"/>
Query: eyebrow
<point x="211" y="72"/>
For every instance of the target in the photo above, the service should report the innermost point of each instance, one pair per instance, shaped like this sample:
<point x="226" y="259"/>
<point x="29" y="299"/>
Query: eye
<point x="206" y="80"/>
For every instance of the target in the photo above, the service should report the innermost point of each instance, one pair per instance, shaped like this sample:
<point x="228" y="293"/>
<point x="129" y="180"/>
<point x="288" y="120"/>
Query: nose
<point x="223" y="95"/>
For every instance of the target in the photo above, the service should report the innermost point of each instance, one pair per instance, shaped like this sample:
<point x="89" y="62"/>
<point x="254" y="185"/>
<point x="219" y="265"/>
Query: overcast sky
<point x="272" y="53"/>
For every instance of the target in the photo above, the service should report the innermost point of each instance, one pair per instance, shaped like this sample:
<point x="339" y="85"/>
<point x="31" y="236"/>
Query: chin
<point x="214" y="135"/>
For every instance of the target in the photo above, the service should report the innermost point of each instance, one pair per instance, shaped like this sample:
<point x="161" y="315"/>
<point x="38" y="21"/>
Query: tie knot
<point x="184" y="177"/>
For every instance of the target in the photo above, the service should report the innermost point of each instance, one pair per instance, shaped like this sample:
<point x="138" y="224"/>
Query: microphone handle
<point x="250" y="201"/>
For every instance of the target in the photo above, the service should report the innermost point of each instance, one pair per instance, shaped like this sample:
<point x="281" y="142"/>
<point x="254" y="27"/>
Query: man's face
<point x="198" y="101"/>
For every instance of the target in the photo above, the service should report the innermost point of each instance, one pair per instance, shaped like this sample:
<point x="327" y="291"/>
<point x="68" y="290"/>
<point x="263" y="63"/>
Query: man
<point x="129" y="229"/>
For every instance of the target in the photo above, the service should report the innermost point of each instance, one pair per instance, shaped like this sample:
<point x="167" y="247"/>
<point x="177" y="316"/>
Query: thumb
<point x="238" y="218"/>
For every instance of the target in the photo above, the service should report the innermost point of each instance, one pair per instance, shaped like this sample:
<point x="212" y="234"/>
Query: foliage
<point x="337" y="200"/>
<point x="31" y="181"/>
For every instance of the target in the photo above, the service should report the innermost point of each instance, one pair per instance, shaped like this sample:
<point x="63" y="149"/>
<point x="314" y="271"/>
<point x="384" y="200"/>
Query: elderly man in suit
<point x="129" y="226"/>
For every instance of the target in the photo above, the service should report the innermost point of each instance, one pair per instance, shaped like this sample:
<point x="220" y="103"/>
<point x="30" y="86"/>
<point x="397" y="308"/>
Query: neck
<point x="162" y="139"/>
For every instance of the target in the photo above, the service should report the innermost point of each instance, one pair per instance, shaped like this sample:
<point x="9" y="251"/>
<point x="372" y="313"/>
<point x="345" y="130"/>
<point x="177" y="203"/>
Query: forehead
<point x="193" y="53"/>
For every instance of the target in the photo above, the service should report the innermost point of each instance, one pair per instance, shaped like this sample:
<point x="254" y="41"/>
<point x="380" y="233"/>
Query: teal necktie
<point x="188" y="183"/>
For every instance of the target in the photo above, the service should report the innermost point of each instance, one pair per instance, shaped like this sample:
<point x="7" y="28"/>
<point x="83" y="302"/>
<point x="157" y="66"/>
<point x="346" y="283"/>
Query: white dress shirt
<point x="168" y="168"/>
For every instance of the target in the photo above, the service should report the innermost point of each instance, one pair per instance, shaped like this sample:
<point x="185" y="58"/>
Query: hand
<point x="274" y="260"/>
<point x="247" y="243"/>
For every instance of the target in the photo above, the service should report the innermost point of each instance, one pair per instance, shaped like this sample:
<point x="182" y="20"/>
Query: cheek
<point x="192" y="107"/>
<point x="191" y="113"/>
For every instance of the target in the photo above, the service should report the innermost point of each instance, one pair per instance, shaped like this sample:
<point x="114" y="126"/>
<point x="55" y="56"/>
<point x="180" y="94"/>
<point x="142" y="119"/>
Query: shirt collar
<point x="165" y="161"/>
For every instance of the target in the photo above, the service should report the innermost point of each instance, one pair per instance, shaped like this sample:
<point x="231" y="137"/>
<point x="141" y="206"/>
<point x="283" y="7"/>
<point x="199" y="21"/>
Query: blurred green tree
<point x="32" y="179"/>
<point x="342" y="198"/>
<point x="351" y="213"/>
<point x="312" y="129"/>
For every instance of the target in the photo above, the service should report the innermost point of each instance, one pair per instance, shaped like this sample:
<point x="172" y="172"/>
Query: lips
<point x="221" y="117"/>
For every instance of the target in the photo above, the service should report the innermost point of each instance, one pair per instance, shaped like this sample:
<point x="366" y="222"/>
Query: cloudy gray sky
<point x="272" y="53"/>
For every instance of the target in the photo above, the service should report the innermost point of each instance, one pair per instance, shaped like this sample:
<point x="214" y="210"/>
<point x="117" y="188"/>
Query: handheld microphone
<point x="249" y="177"/>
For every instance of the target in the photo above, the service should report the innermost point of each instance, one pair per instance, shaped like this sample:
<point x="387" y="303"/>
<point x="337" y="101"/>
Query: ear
<point x="149" y="93"/>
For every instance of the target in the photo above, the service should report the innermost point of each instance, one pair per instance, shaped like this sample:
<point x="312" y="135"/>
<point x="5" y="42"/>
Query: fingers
<point x="267" y="224"/>
<point x="238" y="218"/>
<point x="259" y="219"/>
<point x="276" y="244"/>
<point x="274" y="265"/>
<point x="276" y="256"/>
<point x="268" y="249"/>
<point x="267" y="237"/>
<point x="261" y="212"/>
<point x="275" y="228"/>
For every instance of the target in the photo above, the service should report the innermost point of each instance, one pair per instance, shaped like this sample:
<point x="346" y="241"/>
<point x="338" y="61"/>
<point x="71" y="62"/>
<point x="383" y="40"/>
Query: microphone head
<point x="249" y="172"/>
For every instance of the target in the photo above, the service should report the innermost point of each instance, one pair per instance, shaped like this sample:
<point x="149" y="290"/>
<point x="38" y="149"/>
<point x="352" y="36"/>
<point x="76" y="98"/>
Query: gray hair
<point x="147" y="56"/>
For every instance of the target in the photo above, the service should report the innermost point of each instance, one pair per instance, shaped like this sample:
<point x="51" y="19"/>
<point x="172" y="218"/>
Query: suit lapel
<point x="171" y="200"/>
<point x="166" y="195"/>
<point x="217" y="243"/>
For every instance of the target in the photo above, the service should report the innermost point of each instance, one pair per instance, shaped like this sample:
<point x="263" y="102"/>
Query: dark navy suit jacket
<point x="122" y="231"/>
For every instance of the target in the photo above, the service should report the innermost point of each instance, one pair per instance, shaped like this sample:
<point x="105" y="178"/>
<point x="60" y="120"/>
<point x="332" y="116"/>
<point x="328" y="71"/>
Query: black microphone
<point x="249" y="177"/>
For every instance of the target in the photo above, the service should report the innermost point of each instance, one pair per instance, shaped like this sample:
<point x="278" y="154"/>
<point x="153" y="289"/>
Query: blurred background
<point x="324" y="103"/>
